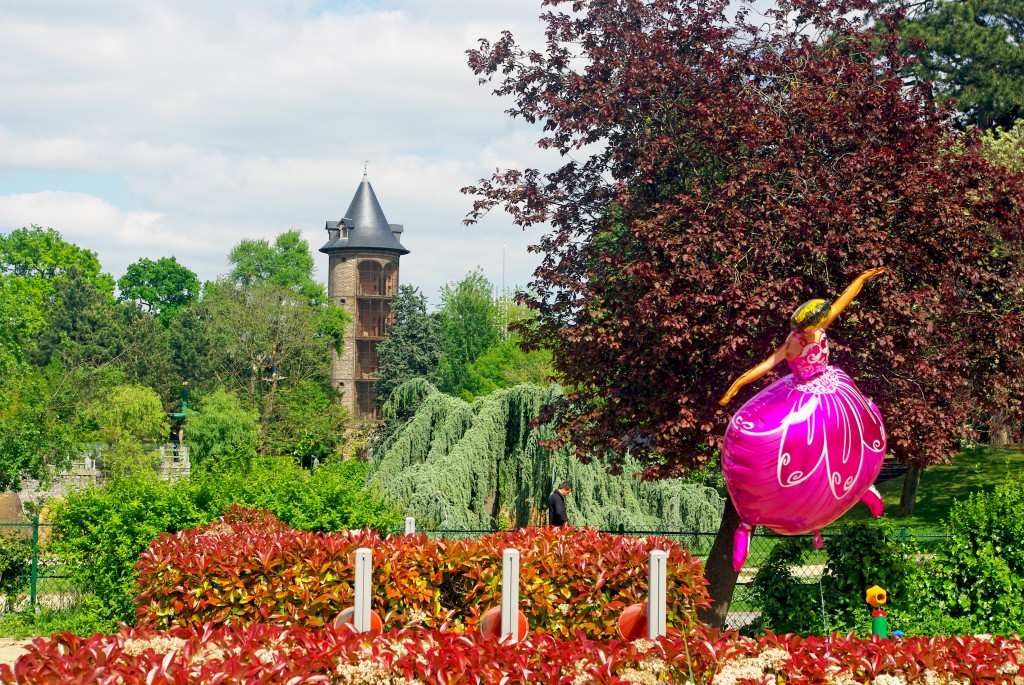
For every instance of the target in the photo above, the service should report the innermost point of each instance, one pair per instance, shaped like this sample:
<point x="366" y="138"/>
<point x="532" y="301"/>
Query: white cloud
<point x="233" y="119"/>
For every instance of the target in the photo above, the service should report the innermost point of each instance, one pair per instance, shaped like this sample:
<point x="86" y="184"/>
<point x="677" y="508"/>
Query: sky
<point x="179" y="127"/>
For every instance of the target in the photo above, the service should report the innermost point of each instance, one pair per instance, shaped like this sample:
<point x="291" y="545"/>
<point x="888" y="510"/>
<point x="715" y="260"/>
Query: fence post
<point x="35" y="562"/>
<point x="410" y="525"/>
<point x="657" y="589"/>
<point x="364" y="584"/>
<point x="510" y="594"/>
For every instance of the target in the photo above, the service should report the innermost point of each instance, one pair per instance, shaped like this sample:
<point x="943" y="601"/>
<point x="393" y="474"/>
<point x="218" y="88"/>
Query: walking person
<point x="556" y="505"/>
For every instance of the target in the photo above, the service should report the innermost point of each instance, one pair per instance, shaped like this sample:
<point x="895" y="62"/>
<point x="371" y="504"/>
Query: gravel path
<point x="10" y="649"/>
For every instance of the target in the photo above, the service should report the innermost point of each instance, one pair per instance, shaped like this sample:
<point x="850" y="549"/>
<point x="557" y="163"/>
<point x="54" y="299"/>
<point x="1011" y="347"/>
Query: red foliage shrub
<point x="262" y="653"/>
<point x="247" y="567"/>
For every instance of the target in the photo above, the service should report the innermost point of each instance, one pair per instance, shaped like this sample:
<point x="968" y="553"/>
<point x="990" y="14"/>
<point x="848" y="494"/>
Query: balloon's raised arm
<point x="754" y="373"/>
<point x="850" y="294"/>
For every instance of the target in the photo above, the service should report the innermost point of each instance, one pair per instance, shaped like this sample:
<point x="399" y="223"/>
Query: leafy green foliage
<point x="32" y="262"/>
<point x="76" y="620"/>
<point x="123" y="417"/>
<point x="15" y="559"/>
<point x="788" y="604"/>
<point x="332" y="498"/>
<point x="224" y="435"/>
<point x="1006" y="146"/>
<point x="859" y="556"/>
<point x="127" y="413"/>
<point x="287" y="264"/>
<point x="978" y="574"/>
<point x="307" y="422"/>
<point x="458" y="465"/>
<point x="505" y="364"/>
<point x="37" y="434"/>
<point x="162" y="287"/>
<point x="413" y="346"/>
<point x="100" y="532"/>
<point x="469" y="324"/>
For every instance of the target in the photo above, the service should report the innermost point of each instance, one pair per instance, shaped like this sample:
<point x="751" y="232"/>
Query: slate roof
<point x="363" y="227"/>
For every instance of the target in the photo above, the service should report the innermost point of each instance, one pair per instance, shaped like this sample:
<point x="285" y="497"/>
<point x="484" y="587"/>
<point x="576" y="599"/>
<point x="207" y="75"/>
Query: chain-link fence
<point x="744" y="608"/>
<point x="31" y="577"/>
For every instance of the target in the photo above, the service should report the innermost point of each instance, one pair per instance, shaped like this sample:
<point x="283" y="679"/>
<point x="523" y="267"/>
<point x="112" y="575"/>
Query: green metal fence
<point x="32" y="577"/>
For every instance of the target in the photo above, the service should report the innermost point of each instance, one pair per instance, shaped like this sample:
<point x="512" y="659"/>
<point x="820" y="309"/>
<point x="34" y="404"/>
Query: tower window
<point x="372" y="280"/>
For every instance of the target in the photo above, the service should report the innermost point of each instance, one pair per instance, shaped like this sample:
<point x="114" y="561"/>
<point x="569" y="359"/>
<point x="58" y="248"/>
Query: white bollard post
<point x="657" y="587"/>
<point x="410" y="525"/>
<point x="364" y="587"/>
<point x="510" y="594"/>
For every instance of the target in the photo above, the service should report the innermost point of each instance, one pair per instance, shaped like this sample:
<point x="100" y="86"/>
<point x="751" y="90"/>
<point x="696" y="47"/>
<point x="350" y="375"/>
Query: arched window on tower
<point x="391" y="279"/>
<point x="371" y="279"/>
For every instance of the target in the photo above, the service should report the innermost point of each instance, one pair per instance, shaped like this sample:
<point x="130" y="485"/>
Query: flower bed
<point x="264" y="653"/>
<point x="248" y="567"/>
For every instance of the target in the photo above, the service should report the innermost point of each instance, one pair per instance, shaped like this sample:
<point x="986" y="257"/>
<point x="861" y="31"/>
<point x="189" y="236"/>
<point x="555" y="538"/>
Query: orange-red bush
<point x="248" y="567"/>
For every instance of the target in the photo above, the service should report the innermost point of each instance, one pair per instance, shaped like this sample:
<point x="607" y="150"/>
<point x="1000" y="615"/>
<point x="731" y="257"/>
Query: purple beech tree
<point x="743" y="166"/>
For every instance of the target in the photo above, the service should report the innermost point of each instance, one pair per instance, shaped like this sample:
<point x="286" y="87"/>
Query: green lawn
<point x="974" y="470"/>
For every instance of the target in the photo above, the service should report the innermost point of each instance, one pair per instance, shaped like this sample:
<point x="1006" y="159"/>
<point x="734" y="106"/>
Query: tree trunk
<point x="998" y="431"/>
<point x="718" y="570"/>
<point x="908" y="499"/>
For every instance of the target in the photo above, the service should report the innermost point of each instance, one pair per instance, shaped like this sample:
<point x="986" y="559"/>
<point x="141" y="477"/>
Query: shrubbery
<point x="240" y="570"/>
<point x="976" y="581"/>
<point x="100" y="532"/>
<point x="263" y="653"/>
<point x="859" y="555"/>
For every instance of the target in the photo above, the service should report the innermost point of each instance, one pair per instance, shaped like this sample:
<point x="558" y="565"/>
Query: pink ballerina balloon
<point x="808" y="447"/>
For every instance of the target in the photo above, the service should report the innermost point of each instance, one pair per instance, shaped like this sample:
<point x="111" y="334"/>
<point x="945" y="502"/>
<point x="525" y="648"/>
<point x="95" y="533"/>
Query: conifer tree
<point x="973" y="53"/>
<point x="412" y="346"/>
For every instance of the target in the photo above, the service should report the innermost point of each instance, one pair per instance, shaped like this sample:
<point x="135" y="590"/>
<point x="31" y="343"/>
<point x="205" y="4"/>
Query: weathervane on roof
<point x="366" y="163"/>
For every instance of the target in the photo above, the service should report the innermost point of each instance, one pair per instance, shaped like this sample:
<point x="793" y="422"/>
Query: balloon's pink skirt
<point x="799" y="454"/>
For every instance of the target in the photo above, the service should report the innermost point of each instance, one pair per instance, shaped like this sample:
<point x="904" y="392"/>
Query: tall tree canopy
<point x="973" y="52"/>
<point x="469" y="323"/>
<point x="287" y="263"/>
<point x="32" y="263"/>
<point x="162" y="287"/>
<point x="737" y="168"/>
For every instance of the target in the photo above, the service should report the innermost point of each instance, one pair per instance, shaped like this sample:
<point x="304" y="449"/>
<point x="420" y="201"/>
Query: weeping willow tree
<point x="453" y="464"/>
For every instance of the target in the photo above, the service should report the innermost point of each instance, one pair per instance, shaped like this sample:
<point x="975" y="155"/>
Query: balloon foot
<point x="873" y="499"/>
<point x="741" y="545"/>
<point x="818" y="542"/>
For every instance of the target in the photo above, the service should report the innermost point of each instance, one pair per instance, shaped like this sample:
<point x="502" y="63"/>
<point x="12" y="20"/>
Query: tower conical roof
<point x="363" y="227"/>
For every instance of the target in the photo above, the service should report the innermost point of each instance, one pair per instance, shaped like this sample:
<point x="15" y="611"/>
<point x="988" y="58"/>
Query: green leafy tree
<point x="973" y="53"/>
<point x="470" y="325"/>
<point x="161" y="287"/>
<point x="224" y="435"/>
<point x="265" y="338"/>
<point x="507" y="363"/>
<point x="99" y="532"/>
<point x="412" y="346"/>
<point x="124" y="417"/>
<point x="37" y="436"/>
<point x="192" y="357"/>
<point x="287" y="263"/>
<point x="1006" y="147"/>
<point x="307" y="423"/>
<point x="32" y="263"/>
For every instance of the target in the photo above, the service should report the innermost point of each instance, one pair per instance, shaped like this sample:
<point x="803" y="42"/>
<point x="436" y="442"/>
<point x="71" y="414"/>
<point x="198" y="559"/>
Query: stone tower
<point x="362" y="276"/>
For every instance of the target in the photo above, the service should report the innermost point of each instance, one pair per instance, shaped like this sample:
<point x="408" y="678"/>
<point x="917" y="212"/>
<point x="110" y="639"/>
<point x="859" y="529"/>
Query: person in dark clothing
<point x="556" y="505"/>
